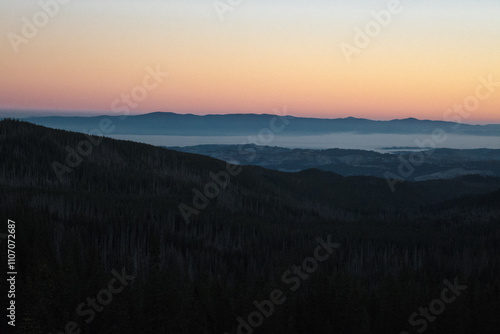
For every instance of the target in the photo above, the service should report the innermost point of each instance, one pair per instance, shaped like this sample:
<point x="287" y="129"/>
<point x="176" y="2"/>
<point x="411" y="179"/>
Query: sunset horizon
<point x="382" y="60"/>
<point x="28" y="113"/>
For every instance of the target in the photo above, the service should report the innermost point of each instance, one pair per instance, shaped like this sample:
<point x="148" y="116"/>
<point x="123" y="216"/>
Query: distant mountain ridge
<point x="168" y="123"/>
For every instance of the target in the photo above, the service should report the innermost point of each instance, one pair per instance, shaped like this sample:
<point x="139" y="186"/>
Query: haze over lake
<point x="374" y="142"/>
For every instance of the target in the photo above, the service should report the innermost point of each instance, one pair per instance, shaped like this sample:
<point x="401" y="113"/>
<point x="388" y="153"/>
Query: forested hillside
<point x="118" y="207"/>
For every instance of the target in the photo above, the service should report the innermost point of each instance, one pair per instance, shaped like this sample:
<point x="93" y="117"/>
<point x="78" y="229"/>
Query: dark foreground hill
<point x="81" y="218"/>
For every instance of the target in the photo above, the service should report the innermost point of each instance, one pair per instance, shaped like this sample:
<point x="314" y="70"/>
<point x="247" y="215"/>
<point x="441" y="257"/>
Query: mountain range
<point x="167" y="123"/>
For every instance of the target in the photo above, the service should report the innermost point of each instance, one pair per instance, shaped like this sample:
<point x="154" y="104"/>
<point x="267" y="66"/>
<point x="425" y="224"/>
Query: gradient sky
<point x="265" y="54"/>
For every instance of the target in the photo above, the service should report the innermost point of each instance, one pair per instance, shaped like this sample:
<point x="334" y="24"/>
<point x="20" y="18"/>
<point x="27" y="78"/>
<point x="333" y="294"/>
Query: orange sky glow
<point x="260" y="56"/>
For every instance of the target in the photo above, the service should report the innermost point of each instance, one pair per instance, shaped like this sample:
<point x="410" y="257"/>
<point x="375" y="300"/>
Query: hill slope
<point x="118" y="207"/>
<point x="438" y="163"/>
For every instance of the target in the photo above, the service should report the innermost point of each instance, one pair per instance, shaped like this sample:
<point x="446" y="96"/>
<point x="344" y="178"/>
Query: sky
<point x="313" y="57"/>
